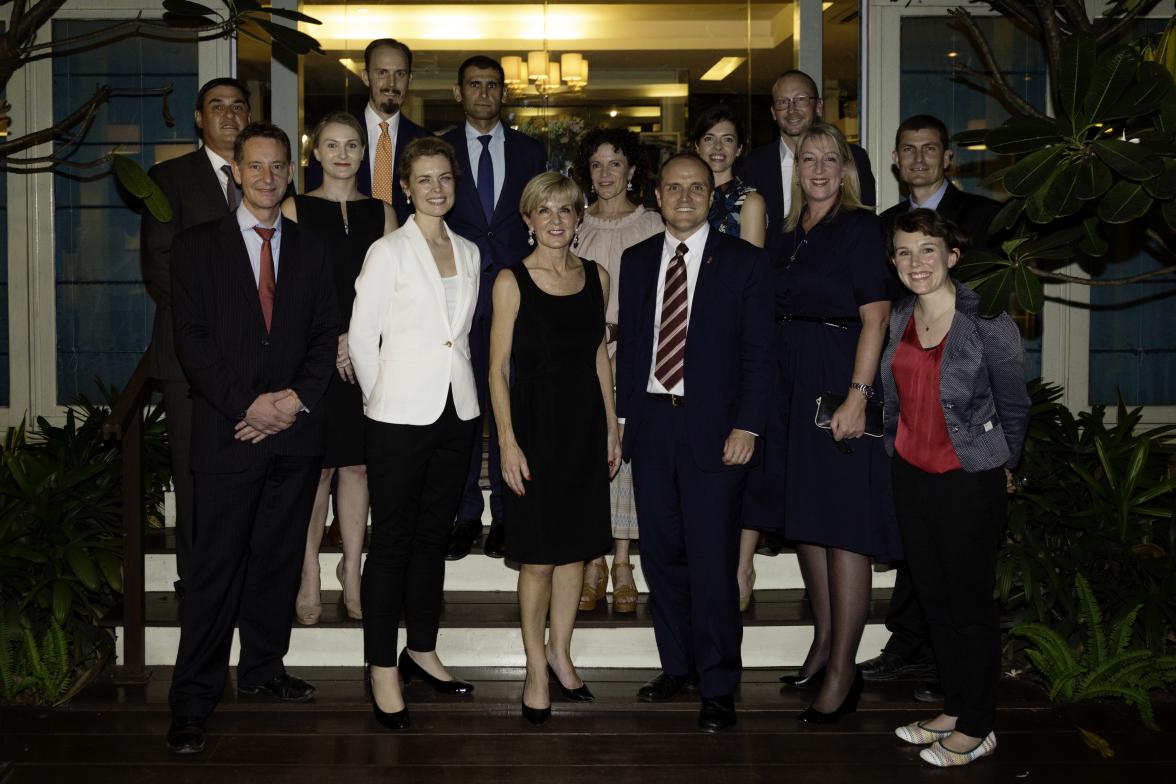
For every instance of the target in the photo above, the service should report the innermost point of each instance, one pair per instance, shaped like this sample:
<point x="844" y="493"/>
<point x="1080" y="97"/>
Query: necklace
<point x="927" y="324"/>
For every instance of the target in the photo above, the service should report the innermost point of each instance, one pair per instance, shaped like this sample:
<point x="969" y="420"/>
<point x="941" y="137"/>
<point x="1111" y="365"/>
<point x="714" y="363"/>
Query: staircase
<point x="479" y="621"/>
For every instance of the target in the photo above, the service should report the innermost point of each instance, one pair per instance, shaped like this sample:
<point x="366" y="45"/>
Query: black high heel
<point x="534" y="715"/>
<point x="393" y="721"/>
<point x="579" y="694"/>
<point x="799" y="681"/>
<point x="409" y="669"/>
<point x="811" y="715"/>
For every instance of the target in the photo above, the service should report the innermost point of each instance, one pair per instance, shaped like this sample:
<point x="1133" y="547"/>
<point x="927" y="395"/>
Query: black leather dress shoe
<point x="579" y="694"/>
<point x="284" y="687"/>
<point x="186" y="735"/>
<point x="409" y="669"/>
<point x="495" y="544"/>
<point x="461" y="539"/>
<point x="811" y="715"/>
<point x="929" y="691"/>
<point x="888" y="666"/>
<point x="717" y="714"/>
<point x="665" y="687"/>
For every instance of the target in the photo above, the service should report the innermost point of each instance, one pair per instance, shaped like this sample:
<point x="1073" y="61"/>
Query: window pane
<point x="930" y="48"/>
<point x="103" y="311"/>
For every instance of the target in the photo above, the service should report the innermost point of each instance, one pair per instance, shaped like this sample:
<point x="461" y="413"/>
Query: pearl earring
<point x="530" y="237"/>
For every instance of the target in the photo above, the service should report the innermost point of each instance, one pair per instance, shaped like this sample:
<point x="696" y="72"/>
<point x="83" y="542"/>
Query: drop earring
<point x="531" y="238"/>
<point x="629" y="186"/>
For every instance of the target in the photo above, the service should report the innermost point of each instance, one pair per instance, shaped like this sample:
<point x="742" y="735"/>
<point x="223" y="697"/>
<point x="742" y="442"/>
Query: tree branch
<point x="993" y="76"/>
<point x="145" y="28"/>
<point x="1016" y="9"/>
<point x="33" y="19"/>
<point x="1101" y="282"/>
<point x="1114" y="30"/>
<point x="1076" y="14"/>
<point x="1051" y="32"/>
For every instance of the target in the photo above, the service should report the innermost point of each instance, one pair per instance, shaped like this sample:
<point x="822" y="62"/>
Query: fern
<point x="1106" y="669"/>
<point x="58" y="668"/>
<point x="8" y="683"/>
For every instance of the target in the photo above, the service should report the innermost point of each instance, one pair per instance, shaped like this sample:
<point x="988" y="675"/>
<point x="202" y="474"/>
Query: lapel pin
<point x="709" y="259"/>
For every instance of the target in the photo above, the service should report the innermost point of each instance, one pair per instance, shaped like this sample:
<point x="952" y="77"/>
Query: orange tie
<point x="266" y="283"/>
<point x="382" y="176"/>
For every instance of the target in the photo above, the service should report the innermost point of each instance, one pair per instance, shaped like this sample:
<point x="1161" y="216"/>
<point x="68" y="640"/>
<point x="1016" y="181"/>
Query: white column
<point x="807" y="38"/>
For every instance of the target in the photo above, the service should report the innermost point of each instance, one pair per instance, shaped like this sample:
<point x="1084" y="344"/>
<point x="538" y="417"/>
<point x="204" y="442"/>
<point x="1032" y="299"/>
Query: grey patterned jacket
<point x="981" y="384"/>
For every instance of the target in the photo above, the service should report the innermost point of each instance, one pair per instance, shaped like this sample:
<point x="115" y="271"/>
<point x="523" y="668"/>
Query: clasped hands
<point x="269" y="414"/>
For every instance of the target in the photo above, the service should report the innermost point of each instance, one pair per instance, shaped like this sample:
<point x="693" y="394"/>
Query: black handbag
<point x="827" y="403"/>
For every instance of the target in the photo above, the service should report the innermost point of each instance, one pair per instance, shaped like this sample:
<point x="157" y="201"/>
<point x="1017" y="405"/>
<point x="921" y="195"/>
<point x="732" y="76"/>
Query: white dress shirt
<point x="373" y="120"/>
<point x="497" y="156"/>
<point x="247" y="221"/>
<point x="695" y="244"/>
<point x="787" y="165"/>
<point x="221" y="176"/>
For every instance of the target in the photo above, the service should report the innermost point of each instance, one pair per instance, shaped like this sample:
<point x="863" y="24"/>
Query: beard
<point x="390" y="105"/>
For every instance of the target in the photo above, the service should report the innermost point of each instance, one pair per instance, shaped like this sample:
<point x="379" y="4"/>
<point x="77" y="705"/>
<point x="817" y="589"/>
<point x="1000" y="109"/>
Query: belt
<point x="839" y="322"/>
<point x="677" y="401"/>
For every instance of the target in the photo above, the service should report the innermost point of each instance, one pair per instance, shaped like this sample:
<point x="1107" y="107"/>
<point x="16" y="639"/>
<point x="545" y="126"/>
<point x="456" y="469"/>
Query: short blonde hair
<point x="554" y="187"/>
<point x="850" y="195"/>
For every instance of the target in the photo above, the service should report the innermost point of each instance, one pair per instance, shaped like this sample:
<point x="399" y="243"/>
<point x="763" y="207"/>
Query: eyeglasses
<point x="800" y="102"/>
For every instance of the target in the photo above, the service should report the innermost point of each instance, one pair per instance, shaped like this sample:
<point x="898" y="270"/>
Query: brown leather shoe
<point x="595" y="584"/>
<point x="624" y="588"/>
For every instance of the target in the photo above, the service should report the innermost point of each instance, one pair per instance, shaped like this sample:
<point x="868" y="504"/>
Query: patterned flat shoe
<point x="940" y="757"/>
<point x="919" y="735"/>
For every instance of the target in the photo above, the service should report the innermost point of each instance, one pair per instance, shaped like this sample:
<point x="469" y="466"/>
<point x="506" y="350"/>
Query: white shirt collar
<point x="472" y="133"/>
<point x="933" y="200"/>
<point x="247" y="220"/>
<point x="695" y="243"/>
<point x="786" y="154"/>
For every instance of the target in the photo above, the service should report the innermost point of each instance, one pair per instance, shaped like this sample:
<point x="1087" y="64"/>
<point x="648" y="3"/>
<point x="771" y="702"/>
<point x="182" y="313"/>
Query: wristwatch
<point x="865" y="389"/>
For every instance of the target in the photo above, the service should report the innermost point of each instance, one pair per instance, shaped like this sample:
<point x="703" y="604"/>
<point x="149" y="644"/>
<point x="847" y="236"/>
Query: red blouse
<point x="922" y="438"/>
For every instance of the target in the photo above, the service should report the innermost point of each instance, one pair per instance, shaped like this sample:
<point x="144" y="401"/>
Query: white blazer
<point x="406" y="354"/>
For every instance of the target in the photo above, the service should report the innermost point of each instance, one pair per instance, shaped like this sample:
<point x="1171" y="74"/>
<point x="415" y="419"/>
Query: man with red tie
<point x="256" y="328"/>
<point x="693" y="386"/>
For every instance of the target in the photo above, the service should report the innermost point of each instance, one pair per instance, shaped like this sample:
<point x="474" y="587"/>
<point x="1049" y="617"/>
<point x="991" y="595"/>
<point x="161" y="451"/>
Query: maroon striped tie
<point x="671" y="341"/>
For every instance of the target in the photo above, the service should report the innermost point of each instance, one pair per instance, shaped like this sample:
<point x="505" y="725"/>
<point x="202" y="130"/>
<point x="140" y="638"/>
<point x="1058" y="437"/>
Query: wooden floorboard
<point x="114" y="733"/>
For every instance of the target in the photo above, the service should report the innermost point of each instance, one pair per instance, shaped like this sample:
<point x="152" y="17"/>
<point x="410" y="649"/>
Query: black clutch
<point x="827" y="403"/>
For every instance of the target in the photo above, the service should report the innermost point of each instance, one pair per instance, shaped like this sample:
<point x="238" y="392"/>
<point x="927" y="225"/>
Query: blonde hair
<point x="849" y="197"/>
<point x="554" y="187"/>
<point x="340" y="118"/>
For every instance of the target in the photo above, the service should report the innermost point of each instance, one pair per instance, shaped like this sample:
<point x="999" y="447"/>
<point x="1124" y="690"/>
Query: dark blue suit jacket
<point x="728" y="343"/>
<point x="503" y="241"/>
<point x="407" y="131"/>
<point x="230" y="358"/>
<point x="761" y="170"/>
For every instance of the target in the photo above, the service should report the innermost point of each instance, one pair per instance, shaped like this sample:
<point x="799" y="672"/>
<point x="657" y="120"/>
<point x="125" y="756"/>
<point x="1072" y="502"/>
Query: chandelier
<point x="541" y="70"/>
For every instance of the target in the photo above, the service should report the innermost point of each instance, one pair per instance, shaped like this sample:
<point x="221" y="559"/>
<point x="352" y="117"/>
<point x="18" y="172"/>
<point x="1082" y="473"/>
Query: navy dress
<point x="805" y="485"/>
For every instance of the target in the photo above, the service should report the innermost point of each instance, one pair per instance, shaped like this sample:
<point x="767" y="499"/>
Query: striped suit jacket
<point x="981" y="384"/>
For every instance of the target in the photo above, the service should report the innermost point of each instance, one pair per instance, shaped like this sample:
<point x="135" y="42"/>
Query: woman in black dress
<point x="557" y="429"/>
<point x="828" y="489"/>
<point x="349" y="223"/>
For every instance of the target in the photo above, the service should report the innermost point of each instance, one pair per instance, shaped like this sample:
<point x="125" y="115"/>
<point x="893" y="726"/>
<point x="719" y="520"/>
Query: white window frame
<point x="32" y="278"/>
<point x="1065" y="342"/>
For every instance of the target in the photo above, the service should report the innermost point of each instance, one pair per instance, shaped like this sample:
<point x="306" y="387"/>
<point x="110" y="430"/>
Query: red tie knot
<point x="265" y="234"/>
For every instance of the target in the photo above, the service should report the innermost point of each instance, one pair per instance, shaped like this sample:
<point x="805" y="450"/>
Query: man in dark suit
<point x="693" y="389"/>
<point x="256" y="329"/>
<point x="922" y="155"/>
<point x="200" y="188"/>
<point x="500" y="162"/>
<point x="796" y="105"/>
<point x="387" y="73"/>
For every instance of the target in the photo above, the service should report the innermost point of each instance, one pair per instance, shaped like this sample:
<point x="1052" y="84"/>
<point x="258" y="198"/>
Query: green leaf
<point x="1094" y="178"/>
<point x="979" y="262"/>
<point x="62" y="600"/>
<point x="186" y="22"/>
<point x="1152" y="83"/>
<point x="1077" y="63"/>
<point x="1031" y="172"/>
<point x="1008" y="215"/>
<point x="296" y="41"/>
<point x="83" y="567"/>
<point x="1092" y="243"/>
<point x="132" y="177"/>
<point x="1163" y="185"/>
<point x="994" y="290"/>
<point x="26" y="553"/>
<point x="111" y="566"/>
<point x="293" y="16"/>
<point x="1114" y="71"/>
<point x="1133" y="161"/>
<point x="1021" y="135"/>
<point x="1125" y="202"/>
<point x="159" y="207"/>
<point x="1168" y="210"/>
<point x="1166" y="119"/>
<point x="187" y="8"/>
<point x="970" y="138"/>
<point x="1035" y="204"/>
<point x="1061" y="197"/>
<point x="1030" y="292"/>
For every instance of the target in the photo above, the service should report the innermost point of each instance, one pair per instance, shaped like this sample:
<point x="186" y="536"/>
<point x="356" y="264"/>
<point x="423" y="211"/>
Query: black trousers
<point x="909" y="636"/>
<point x="177" y="402"/>
<point x="248" y="539"/>
<point x="689" y="552"/>
<point x="951" y="526"/>
<point x="415" y="478"/>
